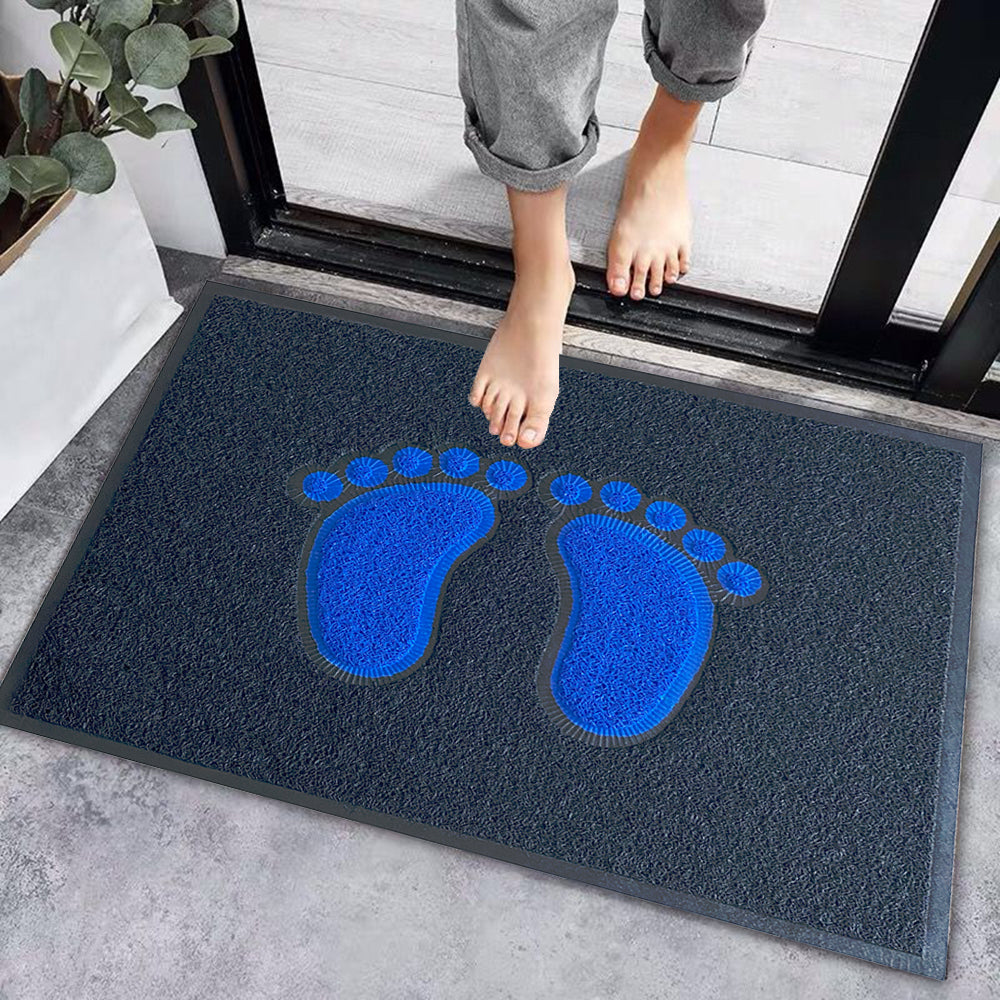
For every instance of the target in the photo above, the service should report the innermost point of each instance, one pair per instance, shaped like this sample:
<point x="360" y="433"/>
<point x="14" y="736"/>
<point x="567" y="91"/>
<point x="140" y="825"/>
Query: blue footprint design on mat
<point x="391" y="529"/>
<point x="639" y="586"/>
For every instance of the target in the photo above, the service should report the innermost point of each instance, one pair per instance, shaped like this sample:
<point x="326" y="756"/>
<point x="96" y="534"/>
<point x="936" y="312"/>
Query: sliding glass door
<point x="842" y="193"/>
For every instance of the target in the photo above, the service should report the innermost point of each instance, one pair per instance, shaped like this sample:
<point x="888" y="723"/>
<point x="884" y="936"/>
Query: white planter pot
<point x="78" y="310"/>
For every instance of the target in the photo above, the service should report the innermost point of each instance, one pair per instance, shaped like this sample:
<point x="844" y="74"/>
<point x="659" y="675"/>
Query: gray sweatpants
<point x="528" y="72"/>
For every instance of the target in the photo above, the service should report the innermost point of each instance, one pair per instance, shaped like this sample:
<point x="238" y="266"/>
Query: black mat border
<point x="931" y="962"/>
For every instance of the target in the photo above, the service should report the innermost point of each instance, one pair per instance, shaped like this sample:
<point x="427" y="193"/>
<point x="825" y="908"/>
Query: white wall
<point x="164" y="171"/>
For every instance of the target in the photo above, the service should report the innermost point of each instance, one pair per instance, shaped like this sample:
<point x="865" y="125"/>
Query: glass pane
<point x="367" y="118"/>
<point x="962" y="225"/>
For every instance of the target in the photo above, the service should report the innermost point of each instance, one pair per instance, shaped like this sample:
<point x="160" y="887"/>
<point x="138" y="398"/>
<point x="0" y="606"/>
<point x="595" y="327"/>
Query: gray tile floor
<point x="120" y="881"/>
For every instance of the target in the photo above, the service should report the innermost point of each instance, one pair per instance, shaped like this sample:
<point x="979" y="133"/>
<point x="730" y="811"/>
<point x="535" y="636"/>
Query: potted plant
<point x="82" y="292"/>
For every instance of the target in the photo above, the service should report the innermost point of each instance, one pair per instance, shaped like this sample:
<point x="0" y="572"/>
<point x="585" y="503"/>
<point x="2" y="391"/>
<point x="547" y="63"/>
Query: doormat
<point x="699" y="647"/>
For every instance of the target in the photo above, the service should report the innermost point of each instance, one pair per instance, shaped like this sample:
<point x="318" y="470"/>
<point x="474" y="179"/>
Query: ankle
<point x="546" y="255"/>
<point x="538" y="220"/>
<point x="669" y="124"/>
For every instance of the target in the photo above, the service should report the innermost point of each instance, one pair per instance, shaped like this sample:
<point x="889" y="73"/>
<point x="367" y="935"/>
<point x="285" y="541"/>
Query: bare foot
<point x="651" y="238"/>
<point x="518" y="379"/>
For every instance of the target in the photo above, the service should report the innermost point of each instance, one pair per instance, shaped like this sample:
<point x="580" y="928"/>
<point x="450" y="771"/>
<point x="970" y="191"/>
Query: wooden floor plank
<point x="958" y="235"/>
<point x="888" y="29"/>
<point x="811" y="105"/>
<point x="979" y="174"/>
<point x="831" y="108"/>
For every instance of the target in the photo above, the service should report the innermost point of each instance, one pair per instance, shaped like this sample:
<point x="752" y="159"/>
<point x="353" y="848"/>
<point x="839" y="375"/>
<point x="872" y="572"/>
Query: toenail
<point x="530" y="435"/>
<point x="619" y="284"/>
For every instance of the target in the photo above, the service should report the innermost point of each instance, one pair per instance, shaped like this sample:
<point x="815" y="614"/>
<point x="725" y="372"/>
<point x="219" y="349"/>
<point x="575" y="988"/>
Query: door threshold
<point x="614" y="348"/>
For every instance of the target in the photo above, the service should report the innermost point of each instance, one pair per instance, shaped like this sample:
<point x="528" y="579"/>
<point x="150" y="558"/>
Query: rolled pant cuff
<point x="673" y="84"/>
<point x="524" y="178"/>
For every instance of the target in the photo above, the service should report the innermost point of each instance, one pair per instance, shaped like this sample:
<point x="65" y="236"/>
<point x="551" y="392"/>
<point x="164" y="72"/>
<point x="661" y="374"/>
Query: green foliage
<point x="112" y="40"/>
<point x="158" y="55"/>
<point x="176" y="13"/>
<point x="108" y="47"/>
<point x="130" y="13"/>
<point x="89" y="162"/>
<point x="83" y="59"/>
<point x="213" y="45"/>
<point x="71" y="118"/>
<point x="127" y="112"/>
<point x="220" y="17"/>
<point x="34" y="100"/>
<point x="168" y="118"/>
<point x="37" y="177"/>
<point x="16" y="142"/>
<point x="57" y="5"/>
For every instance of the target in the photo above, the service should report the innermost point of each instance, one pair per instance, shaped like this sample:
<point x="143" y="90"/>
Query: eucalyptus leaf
<point x="4" y="180"/>
<point x="112" y="40"/>
<point x="169" y="118"/>
<point x="158" y="55"/>
<point x="220" y="17"/>
<point x="213" y="45"/>
<point x="57" y="5"/>
<point x="131" y="13"/>
<point x="35" y="177"/>
<point x="15" y="144"/>
<point x="178" y="13"/>
<point x="71" y="116"/>
<point x="34" y="100"/>
<point x="127" y="112"/>
<point x="89" y="162"/>
<point x="83" y="59"/>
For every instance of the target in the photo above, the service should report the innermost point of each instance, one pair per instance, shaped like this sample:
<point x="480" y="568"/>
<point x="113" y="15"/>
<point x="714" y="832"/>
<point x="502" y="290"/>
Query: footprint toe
<point x="412" y="462"/>
<point x="665" y="515"/>
<point x="739" y="578"/>
<point x="506" y="476"/>
<point x="620" y="496"/>
<point x="322" y="486"/>
<point x="705" y="546"/>
<point x="570" y="489"/>
<point x="459" y="463"/>
<point x="364" y="471"/>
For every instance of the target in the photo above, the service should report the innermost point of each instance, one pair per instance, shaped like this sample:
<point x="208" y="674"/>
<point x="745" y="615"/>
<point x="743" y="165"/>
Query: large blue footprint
<point x="639" y="584"/>
<point x="391" y="529"/>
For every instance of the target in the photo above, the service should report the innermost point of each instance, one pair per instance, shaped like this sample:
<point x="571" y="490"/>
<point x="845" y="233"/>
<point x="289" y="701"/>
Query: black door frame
<point x="969" y="343"/>
<point x="853" y="340"/>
